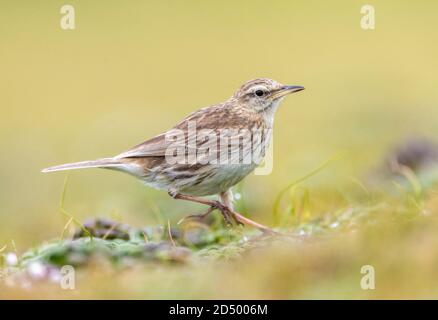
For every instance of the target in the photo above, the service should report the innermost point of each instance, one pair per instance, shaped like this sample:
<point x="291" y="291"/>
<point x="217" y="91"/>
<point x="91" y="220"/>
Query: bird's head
<point x="263" y="94"/>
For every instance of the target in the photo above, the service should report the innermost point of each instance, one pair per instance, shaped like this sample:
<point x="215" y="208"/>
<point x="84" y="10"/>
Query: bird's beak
<point x="285" y="90"/>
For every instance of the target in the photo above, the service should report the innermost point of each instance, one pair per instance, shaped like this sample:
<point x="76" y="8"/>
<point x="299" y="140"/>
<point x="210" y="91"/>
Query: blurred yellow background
<point x="133" y="69"/>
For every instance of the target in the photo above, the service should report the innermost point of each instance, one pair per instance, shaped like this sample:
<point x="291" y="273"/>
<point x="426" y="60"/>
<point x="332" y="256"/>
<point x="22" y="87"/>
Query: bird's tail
<point x="100" y="163"/>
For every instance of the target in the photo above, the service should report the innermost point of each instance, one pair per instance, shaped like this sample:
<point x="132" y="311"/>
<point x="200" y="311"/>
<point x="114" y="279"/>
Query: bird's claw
<point x="228" y="214"/>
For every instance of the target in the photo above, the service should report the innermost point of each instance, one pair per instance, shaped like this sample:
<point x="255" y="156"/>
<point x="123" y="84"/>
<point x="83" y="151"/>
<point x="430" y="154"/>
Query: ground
<point x="386" y="230"/>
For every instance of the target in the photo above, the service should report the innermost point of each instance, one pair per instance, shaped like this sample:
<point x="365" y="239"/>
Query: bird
<point x="208" y="152"/>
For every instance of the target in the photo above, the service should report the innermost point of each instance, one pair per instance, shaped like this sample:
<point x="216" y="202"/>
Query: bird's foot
<point x="227" y="213"/>
<point x="229" y="217"/>
<point x="199" y="217"/>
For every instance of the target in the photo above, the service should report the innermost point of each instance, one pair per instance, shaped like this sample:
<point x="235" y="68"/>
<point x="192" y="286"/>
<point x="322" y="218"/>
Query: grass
<point x="390" y="226"/>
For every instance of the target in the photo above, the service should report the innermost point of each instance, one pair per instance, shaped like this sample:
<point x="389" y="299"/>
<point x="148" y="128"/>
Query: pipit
<point x="208" y="152"/>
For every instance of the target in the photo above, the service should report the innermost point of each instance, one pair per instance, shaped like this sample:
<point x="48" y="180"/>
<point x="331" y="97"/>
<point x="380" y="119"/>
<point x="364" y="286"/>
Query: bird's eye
<point x="259" y="93"/>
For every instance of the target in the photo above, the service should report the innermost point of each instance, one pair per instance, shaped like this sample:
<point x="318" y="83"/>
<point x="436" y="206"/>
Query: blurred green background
<point x="133" y="69"/>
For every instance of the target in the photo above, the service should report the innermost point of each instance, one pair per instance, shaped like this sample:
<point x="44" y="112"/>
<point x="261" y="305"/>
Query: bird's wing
<point x="214" y="119"/>
<point x="155" y="147"/>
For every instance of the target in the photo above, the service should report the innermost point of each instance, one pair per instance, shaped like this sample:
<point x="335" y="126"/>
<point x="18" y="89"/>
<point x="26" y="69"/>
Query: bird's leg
<point x="227" y="200"/>
<point x="214" y="204"/>
<point x="227" y="212"/>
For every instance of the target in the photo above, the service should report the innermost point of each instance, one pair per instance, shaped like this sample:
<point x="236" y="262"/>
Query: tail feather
<point x="100" y="163"/>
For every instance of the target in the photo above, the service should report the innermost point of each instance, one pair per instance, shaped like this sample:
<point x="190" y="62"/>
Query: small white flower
<point x="36" y="270"/>
<point x="55" y="276"/>
<point x="11" y="259"/>
<point x="237" y="196"/>
<point x="334" y="225"/>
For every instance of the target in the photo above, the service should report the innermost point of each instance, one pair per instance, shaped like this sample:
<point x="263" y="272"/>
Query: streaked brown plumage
<point x="250" y="110"/>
